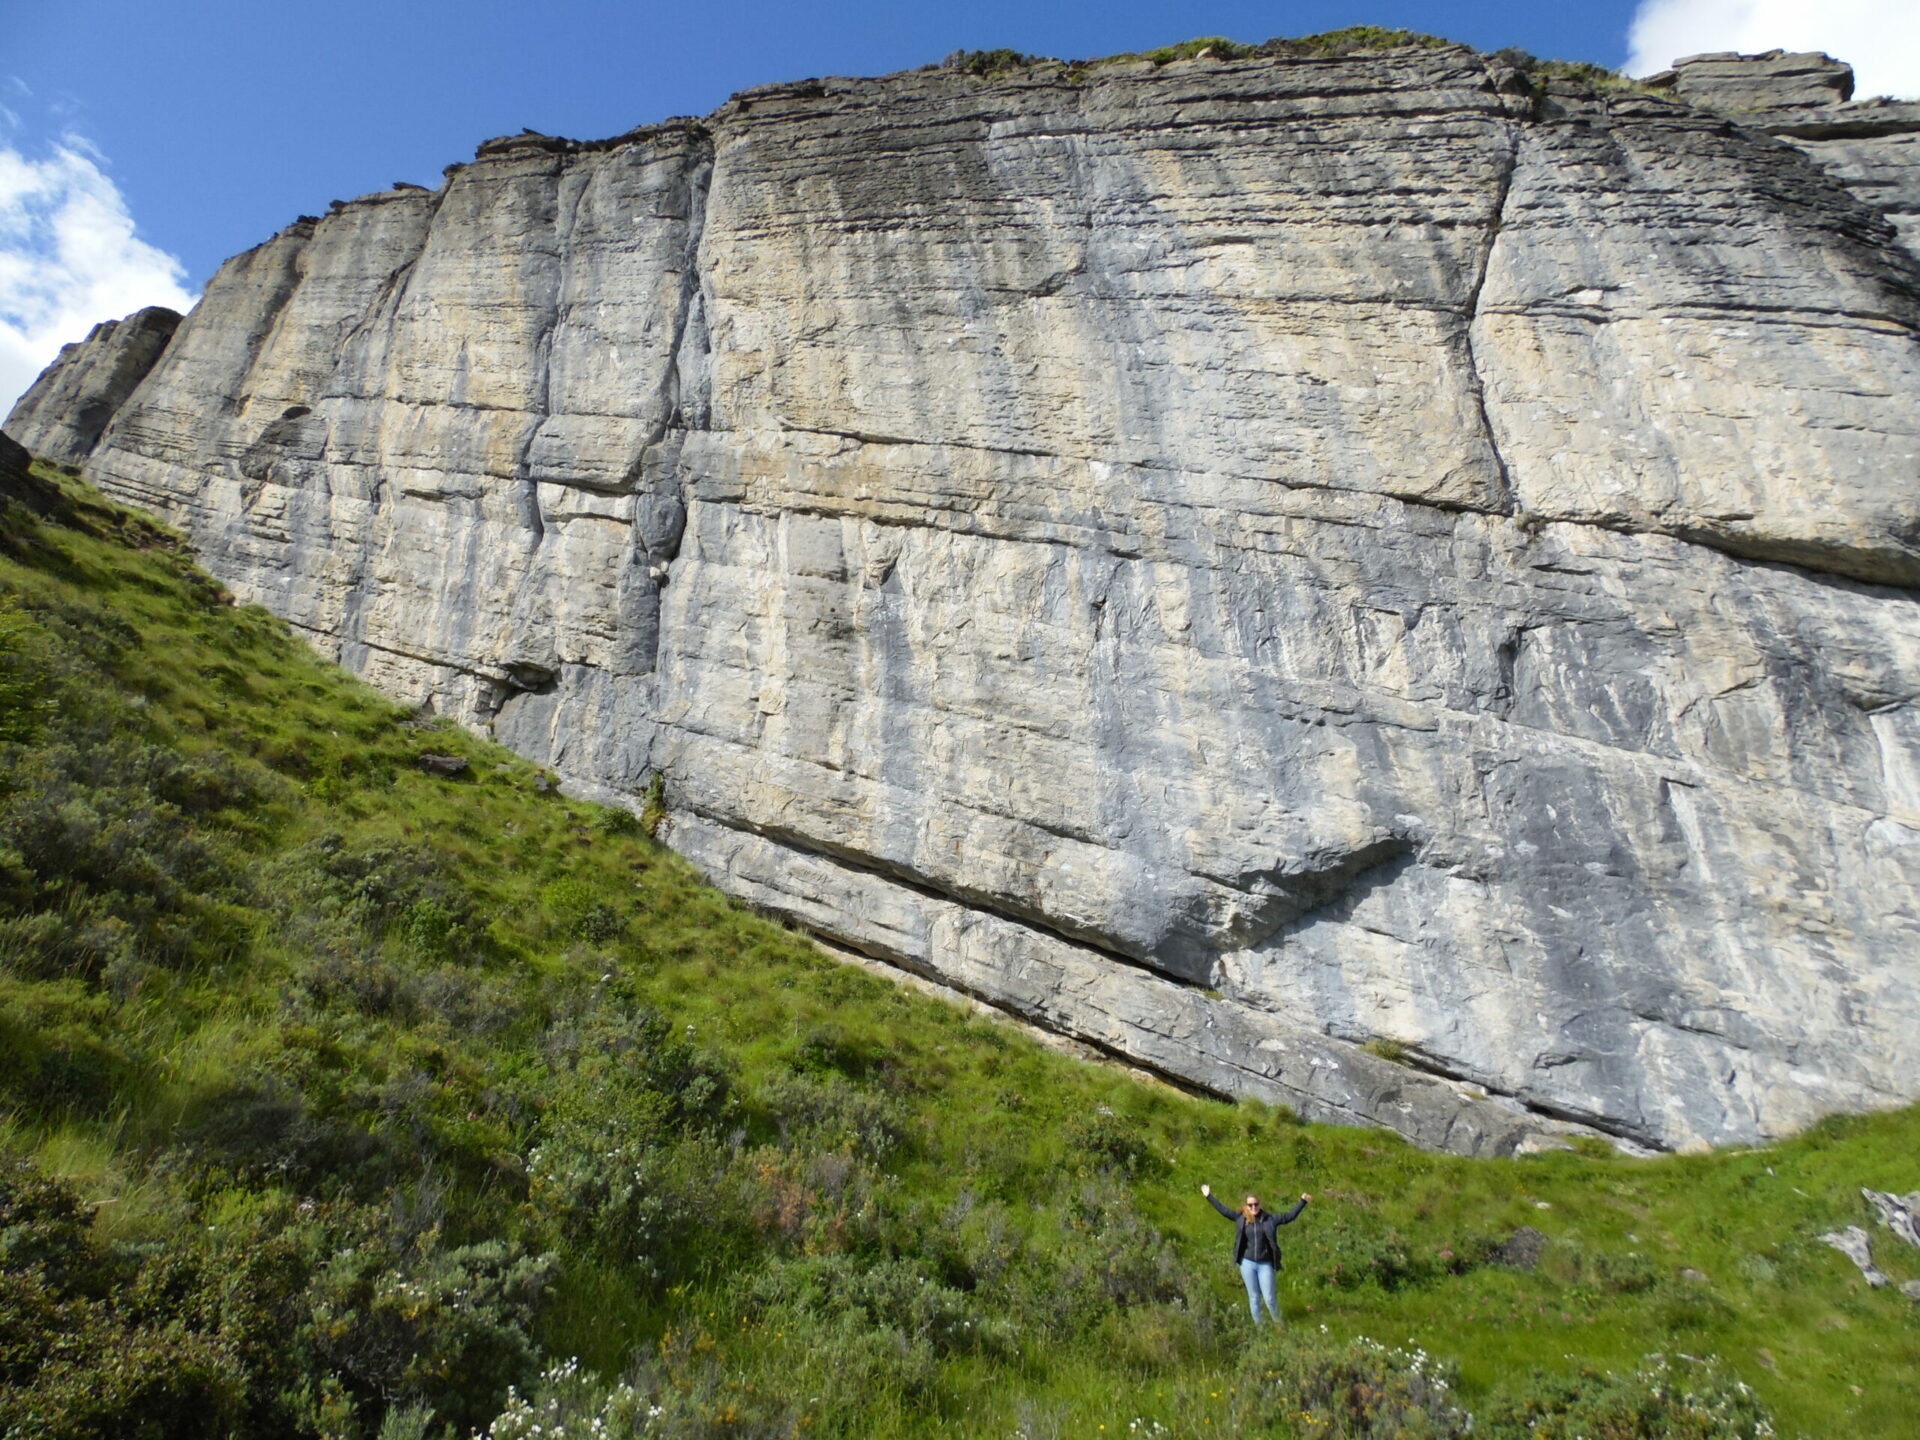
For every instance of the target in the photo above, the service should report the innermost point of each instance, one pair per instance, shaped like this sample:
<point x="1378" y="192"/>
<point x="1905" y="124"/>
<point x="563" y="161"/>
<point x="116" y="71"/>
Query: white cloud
<point x="69" y="259"/>
<point x="1879" y="38"/>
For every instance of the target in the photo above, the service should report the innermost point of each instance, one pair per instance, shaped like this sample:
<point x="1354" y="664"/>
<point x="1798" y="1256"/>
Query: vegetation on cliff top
<point x="1331" y="44"/>
<point x="1353" y="40"/>
<point x="338" y="1097"/>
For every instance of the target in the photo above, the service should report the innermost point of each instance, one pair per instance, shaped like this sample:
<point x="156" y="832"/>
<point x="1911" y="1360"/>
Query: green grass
<point x="378" y="1008"/>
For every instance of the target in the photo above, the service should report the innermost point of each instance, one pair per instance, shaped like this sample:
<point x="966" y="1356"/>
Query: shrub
<point x="626" y="1161"/>
<point x="989" y="62"/>
<point x="1666" y="1399"/>
<point x="79" y="1356"/>
<point x="56" y="1054"/>
<point x="1213" y="46"/>
<point x="448" y="1328"/>
<point x="117" y="1383"/>
<point x="103" y="868"/>
<point x="400" y="891"/>
<point x="1622" y="1272"/>
<point x="887" y="1294"/>
<point x="1346" y="1255"/>
<point x="832" y="1048"/>
<point x="829" y="1113"/>
<point x="1107" y="1143"/>
<point x="653" y="813"/>
<point x="580" y="912"/>
<point x="1596" y="77"/>
<point x="1109" y="1258"/>
<point x="568" y="1403"/>
<point x="45" y="1228"/>
<point x="616" y="820"/>
<point x="24" y="663"/>
<point x="1360" y="1389"/>
<point x="263" y="1130"/>
<point x="1354" y="40"/>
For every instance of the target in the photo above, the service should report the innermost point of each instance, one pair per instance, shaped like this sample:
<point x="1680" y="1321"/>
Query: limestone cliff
<point x="1230" y="560"/>
<point x="64" y="412"/>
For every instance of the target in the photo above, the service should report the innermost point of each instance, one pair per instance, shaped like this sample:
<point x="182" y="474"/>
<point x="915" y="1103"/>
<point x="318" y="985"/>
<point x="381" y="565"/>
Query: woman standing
<point x="1256" y="1247"/>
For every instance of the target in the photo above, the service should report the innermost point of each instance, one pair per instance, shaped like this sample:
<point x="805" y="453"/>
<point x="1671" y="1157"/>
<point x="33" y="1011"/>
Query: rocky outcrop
<point x="18" y="484"/>
<point x="63" y="413"/>
<point x="1238" y="562"/>
<point x="1873" y="148"/>
<point x="1725" y="80"/>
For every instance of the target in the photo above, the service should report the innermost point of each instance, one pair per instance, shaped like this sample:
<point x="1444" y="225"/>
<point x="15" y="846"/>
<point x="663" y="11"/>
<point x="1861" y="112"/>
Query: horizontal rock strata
<point x="1872" y="147"/>
<point x="65" y="411"/>
<point x="1233" y="561"/>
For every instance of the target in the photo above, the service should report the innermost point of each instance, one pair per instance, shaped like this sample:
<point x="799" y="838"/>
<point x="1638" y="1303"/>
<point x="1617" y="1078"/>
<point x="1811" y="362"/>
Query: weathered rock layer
<point x="1232" y="561"/>
<point x="65" y="411"/>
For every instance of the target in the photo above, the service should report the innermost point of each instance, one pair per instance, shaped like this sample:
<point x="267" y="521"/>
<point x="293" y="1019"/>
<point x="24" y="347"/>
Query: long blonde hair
<point x="1248" y="1206"/>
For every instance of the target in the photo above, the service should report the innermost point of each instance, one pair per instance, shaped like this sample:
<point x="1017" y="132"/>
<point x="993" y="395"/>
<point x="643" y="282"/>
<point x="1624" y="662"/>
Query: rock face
<point x="62" y="415"/>
<point x="1873" y="148"/>
<point x="1728" y="81"/>
<point x="18" y="484"/>
<point x="1233" y="561"/>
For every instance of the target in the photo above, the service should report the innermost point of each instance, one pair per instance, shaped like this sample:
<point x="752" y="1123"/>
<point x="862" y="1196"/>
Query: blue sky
<point x="141" y="142"/>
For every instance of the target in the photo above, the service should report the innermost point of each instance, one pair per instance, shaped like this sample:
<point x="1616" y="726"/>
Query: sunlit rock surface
<point x="64" y="412"/>
<point x="1231" y="561"/>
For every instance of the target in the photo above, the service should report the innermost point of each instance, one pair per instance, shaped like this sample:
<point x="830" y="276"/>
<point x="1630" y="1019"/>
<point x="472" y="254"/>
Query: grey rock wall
<point x="1232" y="561"/>
<point x="1725" y="80"/>
<point x="1872" y="147"/>
<point x="64" y="412"/>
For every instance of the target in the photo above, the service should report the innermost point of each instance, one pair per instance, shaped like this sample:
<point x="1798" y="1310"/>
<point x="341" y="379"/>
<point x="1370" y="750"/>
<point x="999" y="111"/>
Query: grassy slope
<point x="123" y="1058"/>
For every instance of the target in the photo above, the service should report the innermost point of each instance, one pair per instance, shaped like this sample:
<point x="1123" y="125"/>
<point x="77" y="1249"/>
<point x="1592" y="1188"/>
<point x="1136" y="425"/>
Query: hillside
<point x="336" y="1095"/>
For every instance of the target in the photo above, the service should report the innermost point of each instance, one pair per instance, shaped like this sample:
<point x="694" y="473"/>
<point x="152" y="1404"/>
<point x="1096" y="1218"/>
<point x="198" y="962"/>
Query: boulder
<point x="1522" y="1249"/>
<point x="1899" y="1213"/>
<point x="1857" y="1246"/>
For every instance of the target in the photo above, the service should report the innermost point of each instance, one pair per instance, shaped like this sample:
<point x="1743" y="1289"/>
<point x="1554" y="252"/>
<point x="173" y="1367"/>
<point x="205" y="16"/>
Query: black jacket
<point x="1266" y="1227"/>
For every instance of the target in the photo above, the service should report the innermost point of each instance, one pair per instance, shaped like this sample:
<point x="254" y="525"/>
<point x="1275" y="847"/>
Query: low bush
<point x="1345" y="1252"/>
<point x="1677" y="1398"/>
<point x="888" y="1294"/>
<point x="1103" y="1142"/>
<point x="830" y="1113"/>
<point x="627" y="1163"/>
<point x="1358" y="1389"/>
<point x="398" y="1321"/>
<point x="1355" y="40"/>
<point x="988" y="63"/>
<point x="311" y="1319"/>
<point x="570" y="1403"/>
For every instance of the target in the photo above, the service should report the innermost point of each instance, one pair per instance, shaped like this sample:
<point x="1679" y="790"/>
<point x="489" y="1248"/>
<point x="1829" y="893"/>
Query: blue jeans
<point x="1258" y="1275"/>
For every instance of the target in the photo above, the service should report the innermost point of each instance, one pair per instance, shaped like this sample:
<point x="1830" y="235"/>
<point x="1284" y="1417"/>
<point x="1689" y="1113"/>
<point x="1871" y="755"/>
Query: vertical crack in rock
<point x="542" y="398"/>
<point x="674" y="382"/>
<point x="1505" y="502"/>
<point x="658" y="479"/>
